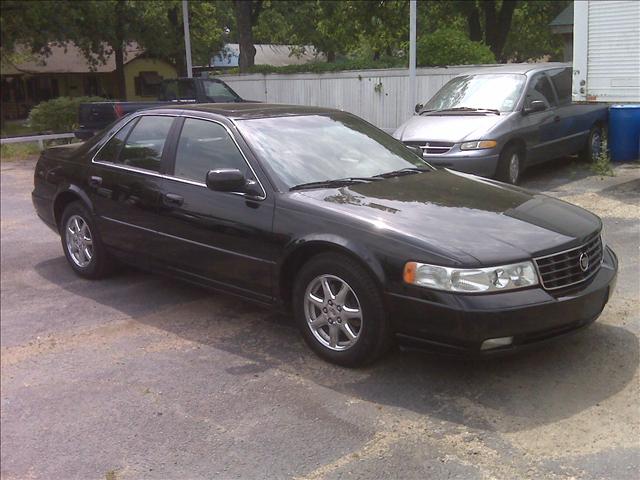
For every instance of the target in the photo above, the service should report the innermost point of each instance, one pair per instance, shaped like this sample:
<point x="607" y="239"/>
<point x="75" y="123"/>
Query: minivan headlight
<point x="478" y="145"/>
<point x="471" y="280"/>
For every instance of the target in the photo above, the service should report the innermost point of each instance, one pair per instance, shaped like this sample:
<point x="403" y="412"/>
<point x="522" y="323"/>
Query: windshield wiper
<point x="403" y="171"/>
<point x="470" y="109"/>
<point x="339" y="182"/>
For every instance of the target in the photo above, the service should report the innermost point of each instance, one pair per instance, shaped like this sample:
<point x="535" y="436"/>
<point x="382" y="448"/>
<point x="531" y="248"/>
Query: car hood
<point x="462" y="217"/>
<point x="454" y="128"/>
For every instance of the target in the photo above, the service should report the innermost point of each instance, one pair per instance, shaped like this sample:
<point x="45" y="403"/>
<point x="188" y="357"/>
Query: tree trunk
<point x="244" y="22"/>
<point x="174" y="15"/>
<point x="475" y="29"/>
<point x="331" y="56"/>
<point x="497" y="25"/>
<point x="118" y="49"/>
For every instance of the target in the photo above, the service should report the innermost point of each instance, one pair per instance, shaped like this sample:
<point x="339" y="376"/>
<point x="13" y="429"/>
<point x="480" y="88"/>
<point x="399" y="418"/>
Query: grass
<point x="15" y="127"/>
<point x="18" y="151"/>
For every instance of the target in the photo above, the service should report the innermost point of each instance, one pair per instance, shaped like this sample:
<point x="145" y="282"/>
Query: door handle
<point x="556" y="118"/>
<point x="95" y="181"/>
<point x="172" y="199"/>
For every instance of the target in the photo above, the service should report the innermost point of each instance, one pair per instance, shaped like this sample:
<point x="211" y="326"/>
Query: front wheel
<point x="339" y="311"/>
<point x="82" y="244"/>
<point x="510" y="165"/>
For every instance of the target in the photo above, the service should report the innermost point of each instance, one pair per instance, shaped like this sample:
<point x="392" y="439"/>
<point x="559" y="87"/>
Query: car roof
<point x="517" y="68"/>
<point x="248" y="110"/>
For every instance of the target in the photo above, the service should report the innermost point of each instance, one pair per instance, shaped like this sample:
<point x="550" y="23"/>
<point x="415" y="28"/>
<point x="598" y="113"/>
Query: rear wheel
<point x="339" y="311"/>
<point x="82" y="244"/>
<point x="510" y="165"/>
<point x="593" y="147"/>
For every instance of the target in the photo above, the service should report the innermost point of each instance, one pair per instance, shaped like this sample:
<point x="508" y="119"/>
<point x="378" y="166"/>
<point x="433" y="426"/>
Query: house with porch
<point x="67" y="72"/>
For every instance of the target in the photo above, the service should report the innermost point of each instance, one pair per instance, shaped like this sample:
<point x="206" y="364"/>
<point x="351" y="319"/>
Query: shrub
<point x="58" y="115"/>
<point x="447" y="46"/>
<point x="602" y="164"/>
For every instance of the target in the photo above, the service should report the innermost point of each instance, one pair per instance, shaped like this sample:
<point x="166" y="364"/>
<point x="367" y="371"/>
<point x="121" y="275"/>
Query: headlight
<point x="471" y="280"/>
<point x="478" y="145"/>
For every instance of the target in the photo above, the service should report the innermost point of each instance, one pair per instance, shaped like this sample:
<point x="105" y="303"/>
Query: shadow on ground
<point x="506" y="394"/>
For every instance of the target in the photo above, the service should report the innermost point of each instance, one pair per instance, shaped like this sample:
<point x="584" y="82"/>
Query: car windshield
<point x="316" y="148"/>
<point x="219" y="92"/>
<point x="483" y="91"/>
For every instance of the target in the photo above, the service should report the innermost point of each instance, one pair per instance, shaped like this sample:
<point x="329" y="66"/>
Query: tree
<point x="247" y="13"/>
<point x="489" y="21"/>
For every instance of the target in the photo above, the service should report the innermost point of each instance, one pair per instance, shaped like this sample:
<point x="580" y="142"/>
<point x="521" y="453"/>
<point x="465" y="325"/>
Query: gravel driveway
<point x="141" y="376"/>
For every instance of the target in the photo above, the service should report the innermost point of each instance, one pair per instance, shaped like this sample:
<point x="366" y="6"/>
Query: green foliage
<point x="58" y="115"/>
<point x="324" y="67"/>
<point x="451" y="47"/>
<point x="602" y="164"/>
<point x="530" y="37"/>
<point x="18" y="151"/>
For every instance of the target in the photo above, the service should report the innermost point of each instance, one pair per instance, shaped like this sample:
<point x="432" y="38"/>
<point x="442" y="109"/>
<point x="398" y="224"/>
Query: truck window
<point x="174" y="90"/>
<point x="561" y="79"/>
<point x="219" y="92"/>
<point x="540" y="89"/>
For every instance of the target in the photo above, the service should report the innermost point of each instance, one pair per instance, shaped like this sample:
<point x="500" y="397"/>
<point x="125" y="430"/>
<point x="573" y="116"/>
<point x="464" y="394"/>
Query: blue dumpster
<point x="624" y="132"/>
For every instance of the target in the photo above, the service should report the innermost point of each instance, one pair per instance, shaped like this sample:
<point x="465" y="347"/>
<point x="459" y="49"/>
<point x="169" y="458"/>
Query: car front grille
<point x="568" y="268"/>
<point x="431" y="148"/>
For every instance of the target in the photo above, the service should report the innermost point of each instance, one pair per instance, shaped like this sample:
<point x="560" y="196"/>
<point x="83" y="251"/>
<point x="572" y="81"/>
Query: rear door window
<point x="562" y="79"/>
<point x="144" y="146"/>
<point x="111" y="151"/>
<point x="205" y="146"/>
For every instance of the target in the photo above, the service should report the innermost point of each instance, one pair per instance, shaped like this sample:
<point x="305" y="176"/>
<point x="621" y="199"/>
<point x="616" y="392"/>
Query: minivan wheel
<point x="339" y="311"/>
<point x="81" y="243"/>
<point x="592" y="149"/>
<point x="510" y="165"/>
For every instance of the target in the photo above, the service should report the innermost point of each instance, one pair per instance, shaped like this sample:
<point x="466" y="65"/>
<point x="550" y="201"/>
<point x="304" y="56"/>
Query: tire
<point x="81" y="243"/>
<point x="370" y="328"/>
<point x="510" y="165"/>
<point x="591" y="150"/>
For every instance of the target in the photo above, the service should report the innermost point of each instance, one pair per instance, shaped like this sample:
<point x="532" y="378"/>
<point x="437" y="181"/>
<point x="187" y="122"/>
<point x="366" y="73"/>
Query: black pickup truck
<point x="95" y="116"/>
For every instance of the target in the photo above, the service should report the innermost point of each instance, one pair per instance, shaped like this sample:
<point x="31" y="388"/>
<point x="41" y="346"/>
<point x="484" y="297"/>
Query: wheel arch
<point x="302" y="251"/>
<point x="64" y="197"/>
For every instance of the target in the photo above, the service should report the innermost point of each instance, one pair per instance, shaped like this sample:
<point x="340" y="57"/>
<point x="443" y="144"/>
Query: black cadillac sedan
<point x="318" y="211"/>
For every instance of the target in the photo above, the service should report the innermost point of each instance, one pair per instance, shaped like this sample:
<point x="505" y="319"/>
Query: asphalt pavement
<point x="140" y="376"/>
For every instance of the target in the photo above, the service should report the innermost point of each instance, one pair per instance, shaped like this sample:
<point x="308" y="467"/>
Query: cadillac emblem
<point x="584" y="261"/>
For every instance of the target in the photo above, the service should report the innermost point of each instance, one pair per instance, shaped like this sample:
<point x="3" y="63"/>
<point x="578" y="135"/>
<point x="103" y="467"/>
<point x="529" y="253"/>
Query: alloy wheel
<point x="333" y="312"/>
<point x="79" y="241"/>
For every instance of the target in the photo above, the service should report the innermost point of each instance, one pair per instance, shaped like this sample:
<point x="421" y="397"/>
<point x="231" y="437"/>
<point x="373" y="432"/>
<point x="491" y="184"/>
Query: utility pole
<point x="187" y="37"/>
<point x="412" y="56"/>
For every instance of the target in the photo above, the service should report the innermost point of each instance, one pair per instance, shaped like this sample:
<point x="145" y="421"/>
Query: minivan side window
<point x="143" y="148"/>
<point x="205" y="146"/>
<point x="562" y="78"/>
<point x="540" y="89"/>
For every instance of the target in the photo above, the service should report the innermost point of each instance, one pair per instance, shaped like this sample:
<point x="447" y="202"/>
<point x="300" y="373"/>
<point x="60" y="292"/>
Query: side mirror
<point x="418" y="107"/>
<point x="535" y="106"/>
<point x="226" y="180"/>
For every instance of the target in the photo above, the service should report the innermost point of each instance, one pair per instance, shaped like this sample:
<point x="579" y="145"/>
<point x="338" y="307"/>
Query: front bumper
<point x="478" y="162"/>
<point x="461" y="323"/>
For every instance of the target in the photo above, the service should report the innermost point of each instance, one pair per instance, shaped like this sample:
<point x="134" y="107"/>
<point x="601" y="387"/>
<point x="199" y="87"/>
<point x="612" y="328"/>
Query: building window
<point x="147" y="84"/>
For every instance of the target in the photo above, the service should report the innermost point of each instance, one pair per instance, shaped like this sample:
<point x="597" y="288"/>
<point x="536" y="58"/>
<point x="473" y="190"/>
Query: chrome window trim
<point x="172" y="177"/>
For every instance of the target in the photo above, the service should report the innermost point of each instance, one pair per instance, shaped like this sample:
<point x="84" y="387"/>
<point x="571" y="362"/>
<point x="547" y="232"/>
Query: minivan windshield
<point x="486" y="91"/>
<point x="299" y="150"/>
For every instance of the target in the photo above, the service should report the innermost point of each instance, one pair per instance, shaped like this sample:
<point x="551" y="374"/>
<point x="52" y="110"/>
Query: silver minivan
<point x="497" y="121"/>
